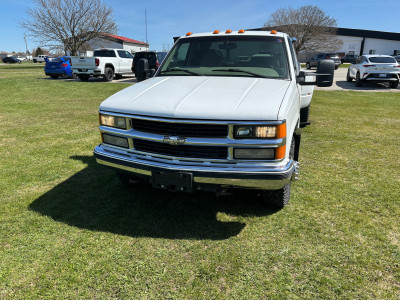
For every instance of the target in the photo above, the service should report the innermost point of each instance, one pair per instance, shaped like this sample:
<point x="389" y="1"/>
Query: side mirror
<point x="323" y="77"/>
<point x="325" y="71"/>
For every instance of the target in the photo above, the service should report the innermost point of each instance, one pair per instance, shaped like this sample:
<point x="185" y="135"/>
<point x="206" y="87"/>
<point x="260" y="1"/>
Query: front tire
<point x="108" y="74"/>
<point x="394" y="85"/>
<point x="278" y="199"/>
<point x="348" y="78"/>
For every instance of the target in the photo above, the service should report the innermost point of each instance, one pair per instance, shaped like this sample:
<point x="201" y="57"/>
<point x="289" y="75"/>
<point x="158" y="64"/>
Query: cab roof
<point x="235" y="33"/>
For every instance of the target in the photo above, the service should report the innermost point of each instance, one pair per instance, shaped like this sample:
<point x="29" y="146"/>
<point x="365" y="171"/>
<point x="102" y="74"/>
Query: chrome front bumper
<point x="265" y="178"/>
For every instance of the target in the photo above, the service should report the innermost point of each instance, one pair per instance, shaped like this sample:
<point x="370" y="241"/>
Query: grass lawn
<point x="69" y="229"/>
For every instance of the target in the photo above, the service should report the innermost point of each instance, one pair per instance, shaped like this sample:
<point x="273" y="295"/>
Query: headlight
<point x="113" y="121"/>
<point x="115" y="140"/>
<point x="260" y="131"/>
<point x="254" y="153"/>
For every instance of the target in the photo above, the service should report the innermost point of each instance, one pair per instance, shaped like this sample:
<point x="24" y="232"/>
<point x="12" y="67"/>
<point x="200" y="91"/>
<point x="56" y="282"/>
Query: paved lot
<point x="340" y="84"/>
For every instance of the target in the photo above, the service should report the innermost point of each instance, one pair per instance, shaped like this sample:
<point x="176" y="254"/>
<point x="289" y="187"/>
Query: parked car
<point x="161" y="56"/>
<point x="152" y="64"/>
<point x="224" y="115"/>
<point x="349" y="58"/>
<point x="313" y="62"/>
<point x="375" y="68"/>
<point x="11" y="60"/>
<point x="22" y="58"/>
<point x="105" y="62"/>
<point x="58" y="67"/>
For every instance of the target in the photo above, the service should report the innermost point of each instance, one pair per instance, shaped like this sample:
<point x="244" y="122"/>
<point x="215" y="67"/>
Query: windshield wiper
<point x="242" y="71"/>
<point x="179" y="69"/>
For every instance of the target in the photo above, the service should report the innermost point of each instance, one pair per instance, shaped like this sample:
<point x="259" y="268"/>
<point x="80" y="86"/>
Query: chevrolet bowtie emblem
<point x="174" y="140"/>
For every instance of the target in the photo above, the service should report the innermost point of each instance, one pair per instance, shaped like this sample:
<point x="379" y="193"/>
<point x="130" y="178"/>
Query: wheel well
<point x="297" y="139"/>
<point x="109" y="66"/>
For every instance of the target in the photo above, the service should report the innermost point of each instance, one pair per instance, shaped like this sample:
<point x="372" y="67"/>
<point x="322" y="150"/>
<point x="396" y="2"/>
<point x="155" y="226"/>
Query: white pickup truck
<point x="105" y="62"/>
<point x="221" y="112"/>
<point x="40" y="58"/>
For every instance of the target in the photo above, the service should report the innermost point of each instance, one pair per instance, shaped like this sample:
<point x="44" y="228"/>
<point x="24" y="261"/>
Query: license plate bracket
<point x="173" y="181"/>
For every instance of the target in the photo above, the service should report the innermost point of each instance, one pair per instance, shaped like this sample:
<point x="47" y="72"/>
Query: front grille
<point x="181" y="129"/>
<point x="187" y="151"/>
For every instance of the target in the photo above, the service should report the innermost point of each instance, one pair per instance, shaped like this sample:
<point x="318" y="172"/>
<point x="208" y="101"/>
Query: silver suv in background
<point x="313" y="62"/>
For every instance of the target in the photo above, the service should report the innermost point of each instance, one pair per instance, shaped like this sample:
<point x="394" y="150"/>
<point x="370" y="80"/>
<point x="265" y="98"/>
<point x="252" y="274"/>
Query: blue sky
<point x="166" y="19"/>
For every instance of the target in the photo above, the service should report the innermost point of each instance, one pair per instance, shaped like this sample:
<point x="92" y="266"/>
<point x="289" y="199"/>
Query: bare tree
<point x="314" y="30"/>
<point x="70" y="23"/>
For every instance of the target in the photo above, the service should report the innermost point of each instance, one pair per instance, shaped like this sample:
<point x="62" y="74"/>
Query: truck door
<point x="125" y="61"/>
<point x="296" y="64"/>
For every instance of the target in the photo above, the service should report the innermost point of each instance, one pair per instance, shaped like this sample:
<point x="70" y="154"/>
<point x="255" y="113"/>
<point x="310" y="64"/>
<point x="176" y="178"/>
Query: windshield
<point x="382" y="60"/>
<point x="250" y="56"/>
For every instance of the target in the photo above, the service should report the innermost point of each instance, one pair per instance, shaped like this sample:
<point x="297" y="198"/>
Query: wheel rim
<point x="110" y="75"/>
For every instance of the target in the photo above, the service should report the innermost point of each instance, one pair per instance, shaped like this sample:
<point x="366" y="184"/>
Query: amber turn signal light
<point x="280" y="152"/>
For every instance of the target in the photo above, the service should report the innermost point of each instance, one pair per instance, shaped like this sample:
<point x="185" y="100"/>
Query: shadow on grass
<point x="95" y="199"/>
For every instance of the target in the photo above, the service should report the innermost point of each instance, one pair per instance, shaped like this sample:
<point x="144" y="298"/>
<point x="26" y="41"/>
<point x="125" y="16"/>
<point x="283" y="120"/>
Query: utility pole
<point x="145" y="23"/>
<point x="26" y="44"/>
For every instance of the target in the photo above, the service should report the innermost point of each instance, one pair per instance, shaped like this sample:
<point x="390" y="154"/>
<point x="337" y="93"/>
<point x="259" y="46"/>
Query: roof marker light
<point x="216" y="31"/>
<point x="273" y="31"/>
<point x="241" y="31"/>
<point x="189" y="33"/>
<point x="228" y="31"/>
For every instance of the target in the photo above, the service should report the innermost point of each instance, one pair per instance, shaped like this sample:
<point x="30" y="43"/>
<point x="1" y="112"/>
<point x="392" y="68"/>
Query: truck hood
<point x="200" y="97"/>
